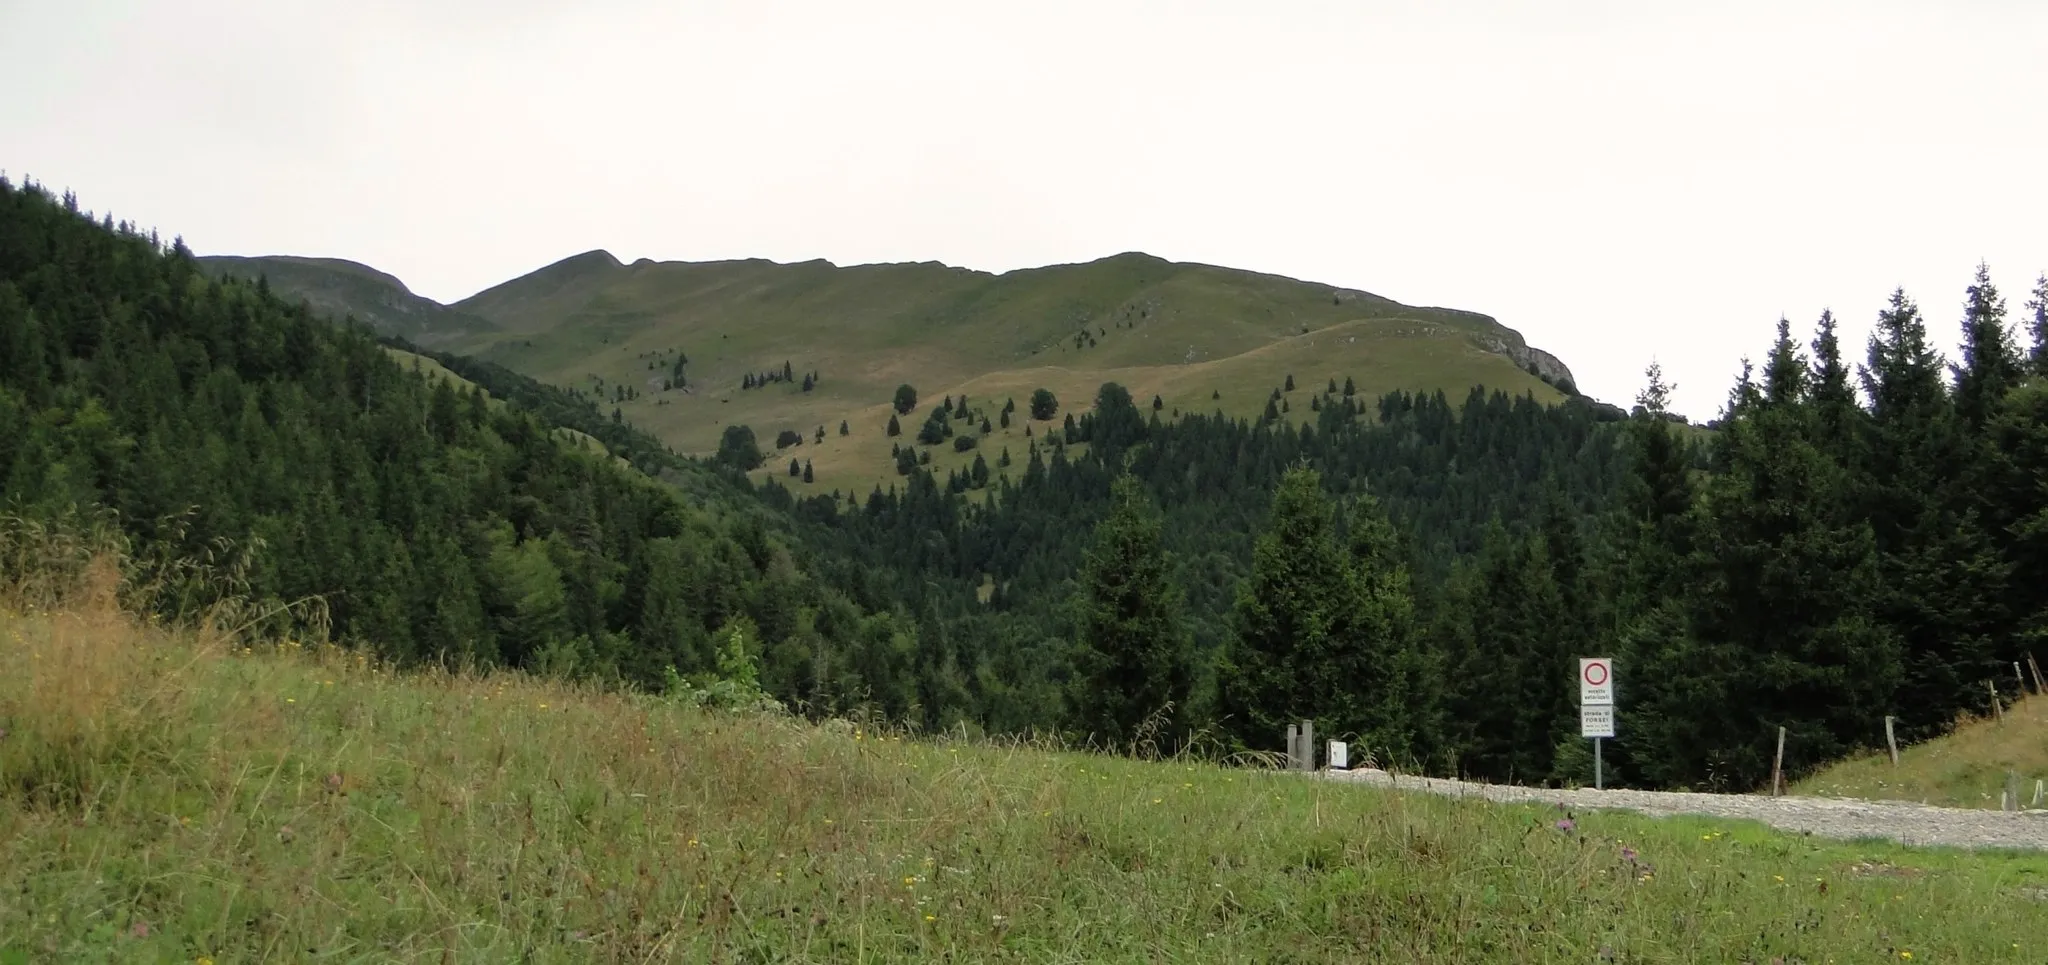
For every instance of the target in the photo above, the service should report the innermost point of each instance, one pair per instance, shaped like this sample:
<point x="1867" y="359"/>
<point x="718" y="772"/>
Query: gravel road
<point x="1914" y="824"/>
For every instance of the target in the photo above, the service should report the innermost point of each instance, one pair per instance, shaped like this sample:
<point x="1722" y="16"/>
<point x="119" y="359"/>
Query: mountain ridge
<point x="685" y="349"/>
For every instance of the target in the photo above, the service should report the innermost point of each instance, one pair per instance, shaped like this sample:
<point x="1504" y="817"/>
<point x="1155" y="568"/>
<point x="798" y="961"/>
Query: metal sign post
<point x="1596" y="708"/>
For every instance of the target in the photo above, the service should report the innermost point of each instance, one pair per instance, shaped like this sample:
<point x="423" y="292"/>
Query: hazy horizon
<point x="1617" y="182"/>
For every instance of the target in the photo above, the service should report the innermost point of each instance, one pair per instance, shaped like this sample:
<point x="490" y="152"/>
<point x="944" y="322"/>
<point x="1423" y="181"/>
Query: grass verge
<point x="179" y="796"/>
<point x="1965" y="768"/>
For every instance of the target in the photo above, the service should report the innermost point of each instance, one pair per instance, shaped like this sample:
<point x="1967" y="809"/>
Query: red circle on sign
<point x="1596" y="668"/>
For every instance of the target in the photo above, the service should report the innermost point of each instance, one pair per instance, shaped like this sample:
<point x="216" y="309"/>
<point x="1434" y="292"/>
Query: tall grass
<point x="185" y="792"/>
<point x="1964" y="768"/>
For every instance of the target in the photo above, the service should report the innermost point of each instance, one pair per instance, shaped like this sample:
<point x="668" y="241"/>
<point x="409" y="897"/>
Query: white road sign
<point x="1340" y="756"/>
<point x="1596" y="681"/>
<point x="1596" y="720"/>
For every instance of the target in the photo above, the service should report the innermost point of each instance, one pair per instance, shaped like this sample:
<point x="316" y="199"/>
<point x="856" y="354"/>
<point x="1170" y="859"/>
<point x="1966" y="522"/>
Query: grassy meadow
<point x="1202" y="339"/>
<point x="1965" y="768"/>
<point x="199" y="796"/>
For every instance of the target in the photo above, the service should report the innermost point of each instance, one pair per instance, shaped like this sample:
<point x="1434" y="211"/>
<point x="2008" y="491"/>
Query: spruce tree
<point x="2037" y="321"/>
<point x="1991" y="365"/>
<point x="1940" y="572"/>
<point x="1786" y="617"/>
<point x="1283" y="621"/>
<point x="1394" y="685"/>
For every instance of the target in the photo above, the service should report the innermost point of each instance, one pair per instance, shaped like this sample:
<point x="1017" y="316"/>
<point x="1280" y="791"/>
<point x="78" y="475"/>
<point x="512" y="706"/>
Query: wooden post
<point x="2011" y="796"/>
<point x="1293" y="746"/>
<point x="2036" y="668"/>
<point x="1778" y="766"/>
<point x="1308" y="745"/>
<point x="2039" y="788"/>
<point x="2021" y="680"/>
<point x="1997" y="709"/>
<point x="1891" y="740"/>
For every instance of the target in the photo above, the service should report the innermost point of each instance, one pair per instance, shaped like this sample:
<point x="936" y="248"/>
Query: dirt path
<point x="1914" y="824"/>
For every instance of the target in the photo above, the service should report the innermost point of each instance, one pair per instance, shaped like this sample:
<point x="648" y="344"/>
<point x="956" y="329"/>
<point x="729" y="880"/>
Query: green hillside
<point x="333" y="286"/>
<point x="1200" y="338"/>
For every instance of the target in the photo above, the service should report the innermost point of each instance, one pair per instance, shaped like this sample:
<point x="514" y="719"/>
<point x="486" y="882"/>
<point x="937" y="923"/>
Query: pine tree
<point x="2037" y="313"/>
<point x="807" y="471"/>
<point x="1788" y="595"/>
<point x="795" y="469"/>
<point x="1991" y="365"/>
<point x="1132" y="654"/>
<point x="1939" y="571"/>
<point x="895" y="428"/>
<point x="1284" y="617"/>
<point x="843" y="429"/>
<point x="906" y="399"/>
<point x="1394" y="684"/>
<point x="1290" y="381"/>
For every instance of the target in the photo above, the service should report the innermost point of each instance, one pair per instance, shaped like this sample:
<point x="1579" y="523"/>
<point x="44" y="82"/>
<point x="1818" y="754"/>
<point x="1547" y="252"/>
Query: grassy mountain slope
<point x="333" y="286"/>
<point x="178" y="797"/>
<point x="1201" y="338"/>
<point x="1965" y="768"/>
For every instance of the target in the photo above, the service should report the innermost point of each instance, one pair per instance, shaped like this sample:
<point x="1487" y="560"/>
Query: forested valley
<point x="1416" y="573"/>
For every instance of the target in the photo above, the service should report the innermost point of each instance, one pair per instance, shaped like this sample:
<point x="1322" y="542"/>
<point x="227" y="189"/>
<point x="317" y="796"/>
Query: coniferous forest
<point x="1862" y="533"/>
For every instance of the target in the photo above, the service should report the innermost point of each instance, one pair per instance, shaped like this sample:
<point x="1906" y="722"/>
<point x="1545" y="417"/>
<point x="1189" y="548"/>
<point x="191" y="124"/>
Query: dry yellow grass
<point x="1966" y="768"/>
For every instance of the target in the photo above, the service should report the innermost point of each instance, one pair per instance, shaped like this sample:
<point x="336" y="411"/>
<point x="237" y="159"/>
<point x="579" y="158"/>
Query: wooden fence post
<point x="2019" y="678"/>
<point x="2009" y="799"/>
<point x="1890" y="740"/>
<point x="1778" y="766"/>
<point x="1997" y="709"/>
<point x="1293" y="746"/>
<point x="2036" y="668"/>
<point x="1308" y="745"/>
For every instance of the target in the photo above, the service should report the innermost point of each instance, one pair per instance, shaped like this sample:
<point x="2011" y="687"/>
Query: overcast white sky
<point x="1617" y="180"/>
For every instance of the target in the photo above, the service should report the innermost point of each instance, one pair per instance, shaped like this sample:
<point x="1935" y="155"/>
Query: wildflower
<point x="140" y="929"/>
<point x="291" y="700"/>
<point x="1906" y="955"/>
<point x="543" y="706"/>
<point x="931" y="918"/>
<point x="1566" y="825"/>
<point x="1628" y="854"/>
